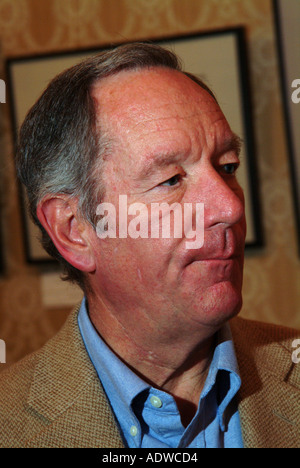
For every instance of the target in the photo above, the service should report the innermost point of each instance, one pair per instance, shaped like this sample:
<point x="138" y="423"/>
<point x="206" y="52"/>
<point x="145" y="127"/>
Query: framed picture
<point x="287" y="22"/>
<point x="218" y="57"/>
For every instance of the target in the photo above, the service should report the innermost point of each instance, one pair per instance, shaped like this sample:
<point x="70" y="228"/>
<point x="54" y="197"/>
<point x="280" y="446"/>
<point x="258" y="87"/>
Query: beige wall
<point x="272" y="275"/>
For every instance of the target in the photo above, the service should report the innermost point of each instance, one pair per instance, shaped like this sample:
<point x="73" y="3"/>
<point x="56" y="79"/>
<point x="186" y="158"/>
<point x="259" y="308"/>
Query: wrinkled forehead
<point x="135" y="98"/>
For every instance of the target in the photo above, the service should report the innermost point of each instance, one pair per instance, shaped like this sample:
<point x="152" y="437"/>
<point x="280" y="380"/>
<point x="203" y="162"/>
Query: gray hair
<point x="61" y="143"/>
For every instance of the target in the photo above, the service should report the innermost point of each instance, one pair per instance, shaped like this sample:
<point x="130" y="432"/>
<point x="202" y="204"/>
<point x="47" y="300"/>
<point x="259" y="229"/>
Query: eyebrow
<point x="163" y="159"/>
<point x="233" y="143"/>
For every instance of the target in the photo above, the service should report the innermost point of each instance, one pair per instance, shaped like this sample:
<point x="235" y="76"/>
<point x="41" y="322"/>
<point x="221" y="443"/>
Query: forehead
<point x="157" y="110"/>
<point x="141" y="96"/>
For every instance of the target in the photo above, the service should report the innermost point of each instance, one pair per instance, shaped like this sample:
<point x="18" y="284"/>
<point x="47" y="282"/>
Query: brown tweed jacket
<point x="53" y="398"/>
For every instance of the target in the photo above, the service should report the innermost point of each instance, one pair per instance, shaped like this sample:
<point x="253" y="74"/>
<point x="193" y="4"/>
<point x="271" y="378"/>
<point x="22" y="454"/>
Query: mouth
<point x="220" y="265"/>
<point x="228" y="259"/>
<point x="213" y="269"/>
<point x="223" y="248"/>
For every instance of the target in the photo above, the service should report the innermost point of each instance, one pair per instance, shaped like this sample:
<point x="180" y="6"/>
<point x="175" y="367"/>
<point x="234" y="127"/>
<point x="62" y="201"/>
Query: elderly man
<point x="154" y="356"/>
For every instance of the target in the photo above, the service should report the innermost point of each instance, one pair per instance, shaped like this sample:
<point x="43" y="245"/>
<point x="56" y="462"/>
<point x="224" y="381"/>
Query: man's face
<point x="172" y="144"/>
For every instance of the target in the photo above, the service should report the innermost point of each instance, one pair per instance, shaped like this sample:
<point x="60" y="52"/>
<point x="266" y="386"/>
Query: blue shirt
<point x="149" y="417"/>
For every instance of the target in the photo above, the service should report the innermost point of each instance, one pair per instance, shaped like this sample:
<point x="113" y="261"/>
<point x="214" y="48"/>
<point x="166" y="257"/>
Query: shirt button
<point x="133" y="431"/>
<point x="156" y="402"/>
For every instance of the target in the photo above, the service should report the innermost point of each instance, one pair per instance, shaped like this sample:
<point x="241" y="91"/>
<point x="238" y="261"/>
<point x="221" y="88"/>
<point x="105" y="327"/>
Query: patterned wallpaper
<point x="272" y="274"/>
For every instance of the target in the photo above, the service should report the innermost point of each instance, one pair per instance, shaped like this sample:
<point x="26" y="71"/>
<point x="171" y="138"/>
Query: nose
<point x="223" y="199"/>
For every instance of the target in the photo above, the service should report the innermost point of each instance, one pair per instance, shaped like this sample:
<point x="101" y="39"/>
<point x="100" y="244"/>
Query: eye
<point x="230" y="168"/>
<point x="172" y="181"/>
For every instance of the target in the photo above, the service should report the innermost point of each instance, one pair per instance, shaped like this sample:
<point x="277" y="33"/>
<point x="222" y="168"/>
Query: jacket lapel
<point x="66" y="397"/>
<point x="269" y="400"/>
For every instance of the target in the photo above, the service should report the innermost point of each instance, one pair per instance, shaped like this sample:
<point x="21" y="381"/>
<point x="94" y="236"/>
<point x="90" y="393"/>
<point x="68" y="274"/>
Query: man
<point x="154" y="356"/>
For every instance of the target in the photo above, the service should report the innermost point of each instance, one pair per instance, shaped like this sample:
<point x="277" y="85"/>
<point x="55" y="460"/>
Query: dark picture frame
<point x="205" y="54"/>
<point x="287" y="25"/>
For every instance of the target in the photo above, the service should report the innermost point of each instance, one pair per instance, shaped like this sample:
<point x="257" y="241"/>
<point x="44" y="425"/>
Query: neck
<point x="176" y="364"/>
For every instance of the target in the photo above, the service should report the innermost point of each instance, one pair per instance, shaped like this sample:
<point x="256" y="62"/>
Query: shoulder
<point x="14" y="378"/>
<point x="15" y="383"/>
<point x="269" y="397"/>
<point x="262" y="333"/>
<point x="267" y="347"/>
<point x="53" y="398"/>
<point x="35" y="375"/>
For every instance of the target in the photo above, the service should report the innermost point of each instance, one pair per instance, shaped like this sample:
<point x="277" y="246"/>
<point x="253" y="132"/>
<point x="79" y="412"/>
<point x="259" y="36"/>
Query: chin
<point x="219" y="305"/>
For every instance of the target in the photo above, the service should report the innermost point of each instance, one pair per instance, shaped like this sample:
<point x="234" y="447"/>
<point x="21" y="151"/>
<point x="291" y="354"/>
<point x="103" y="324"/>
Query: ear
<point x="68" y="232"/>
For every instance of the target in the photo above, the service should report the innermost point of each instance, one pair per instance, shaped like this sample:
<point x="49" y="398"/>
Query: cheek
<point x="133" y="260"/>
<point x="152" y="258"/>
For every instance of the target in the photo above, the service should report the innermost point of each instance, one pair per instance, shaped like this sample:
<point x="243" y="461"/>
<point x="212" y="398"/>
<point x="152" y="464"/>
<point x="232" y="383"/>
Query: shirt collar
<point x="224" y="367"/>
